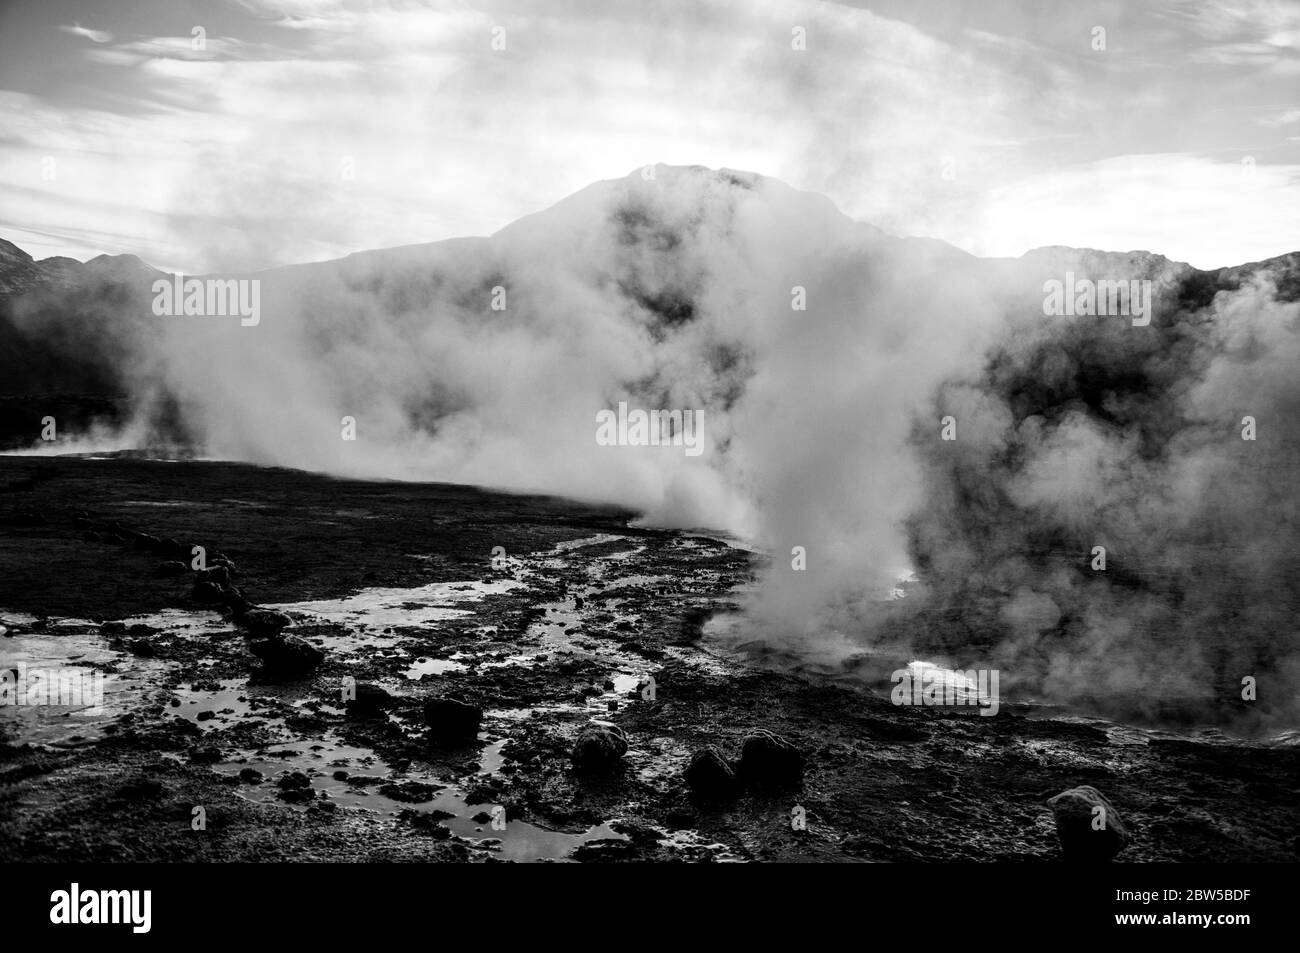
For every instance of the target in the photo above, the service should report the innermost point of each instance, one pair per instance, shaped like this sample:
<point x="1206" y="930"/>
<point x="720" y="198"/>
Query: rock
<point x="287" y="655"/>
<point x="369" y="700"/>
<point x="1086" y="833"/>
<point x="599" y="747"/>
<point x="172" y="567"/>
<point x="142" y="648"/>
<point x="451" y="721"/>
<point x="769" y="763"/>
<point x="411" y="792"/>
<point x="250" y="776"/>
<point x="295" y="779"/>
<point x="710" y="776"/>
<point x="206" y="593"/>
<point x="219" y="575"/>
<point x="427" y="822"/>
<point x="641" y="834"/>
<point x="234" y="600"/>
<point x="265" y="623"/>
<point x="112" y="628"/>
<point x="220" y="560"/>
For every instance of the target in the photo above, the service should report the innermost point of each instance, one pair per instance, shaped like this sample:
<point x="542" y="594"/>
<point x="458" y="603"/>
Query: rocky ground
<point x="385" y="671"/>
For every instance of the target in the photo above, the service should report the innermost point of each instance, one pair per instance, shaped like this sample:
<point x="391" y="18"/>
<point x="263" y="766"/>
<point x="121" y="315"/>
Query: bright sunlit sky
<point x="308" y="129"/>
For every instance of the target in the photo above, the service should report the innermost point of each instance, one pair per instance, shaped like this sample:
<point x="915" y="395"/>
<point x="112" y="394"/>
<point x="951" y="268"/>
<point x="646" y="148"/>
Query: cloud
<point x="403" y="124"/>
<point x="97" y="36"/>
<point x="1190" y="208"/>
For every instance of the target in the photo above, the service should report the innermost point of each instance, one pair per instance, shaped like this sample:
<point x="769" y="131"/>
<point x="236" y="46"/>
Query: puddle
<point x="343" y="643"/>
<point x="203" y="623"/>
<point x="572" y="544"/>
<point x="356" y="778"/>
<point x="213" y="709"/>
<point x="17" y="620"/>
<point x="433" y="666"/>
<point x="314" y="766"/>
<point x="86" y="684"/>
<point x="380" y="607"/>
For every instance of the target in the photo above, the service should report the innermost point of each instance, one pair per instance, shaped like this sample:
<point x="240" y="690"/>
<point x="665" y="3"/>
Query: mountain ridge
<point x="12" y="256"/>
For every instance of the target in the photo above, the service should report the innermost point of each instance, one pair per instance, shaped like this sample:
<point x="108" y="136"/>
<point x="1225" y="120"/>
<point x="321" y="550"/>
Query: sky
<point x="207" y="135"/>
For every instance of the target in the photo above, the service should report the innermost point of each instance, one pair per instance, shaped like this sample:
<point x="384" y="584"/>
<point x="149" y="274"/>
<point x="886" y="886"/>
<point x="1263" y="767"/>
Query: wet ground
<point x="579" y="617"/>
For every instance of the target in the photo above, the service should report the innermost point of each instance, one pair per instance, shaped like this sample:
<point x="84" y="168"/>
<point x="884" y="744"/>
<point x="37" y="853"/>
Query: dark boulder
<point x="233" y="598"/>
<point x="172" y="567"/>
<point x="599" y="747"/>
<point x="710" y="776"/>
<point x="218" y="575"/>
<point x="295" y="779"/>
<point x="265" y="623"/>
<point x="286" y="655"/>
<point x="411" y="792"/>
<point x="1089" y="827"/>
<point x="369" y="700"/>
<point x="206" y="593"/>
<point x="295" y="788"/>
<point x="769" y="763"/>
<point x="451" y="721"/>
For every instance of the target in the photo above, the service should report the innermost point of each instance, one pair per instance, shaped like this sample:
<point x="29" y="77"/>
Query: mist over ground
<point x="679" y="288"/>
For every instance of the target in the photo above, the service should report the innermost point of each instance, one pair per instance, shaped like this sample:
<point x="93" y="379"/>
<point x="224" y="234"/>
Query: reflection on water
<point x="382" y="607"/>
